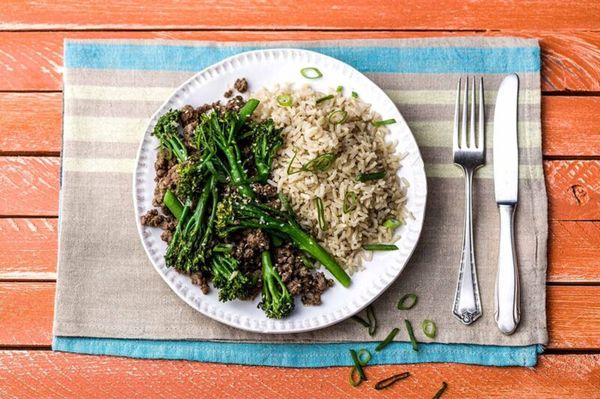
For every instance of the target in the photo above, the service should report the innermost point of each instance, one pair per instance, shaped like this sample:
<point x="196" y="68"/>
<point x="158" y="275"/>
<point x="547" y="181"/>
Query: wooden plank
<point x="573" y="312"/>
<point x="26" y="314"/>
<point x="30" y="123"/>
<point x="574" y="252"/>
<point x="313" y="14"/>
<point x="573" y="189"/>
<point x="33" y="60"/>
<point x="571" y="126"/>
<point x="41" y="374"/>
<point x="29" y="186"/>
<point x="28" y="249"/>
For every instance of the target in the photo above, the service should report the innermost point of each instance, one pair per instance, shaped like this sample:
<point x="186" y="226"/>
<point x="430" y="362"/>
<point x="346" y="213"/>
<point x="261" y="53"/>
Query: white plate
<point x="266" y="68"/>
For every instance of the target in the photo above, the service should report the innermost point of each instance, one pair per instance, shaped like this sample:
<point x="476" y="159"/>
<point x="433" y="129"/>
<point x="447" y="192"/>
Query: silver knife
<point x="506" y="183"/>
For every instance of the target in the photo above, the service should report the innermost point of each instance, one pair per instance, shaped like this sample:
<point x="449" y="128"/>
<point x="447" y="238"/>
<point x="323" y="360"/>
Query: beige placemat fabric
<point x="107" y="287"/>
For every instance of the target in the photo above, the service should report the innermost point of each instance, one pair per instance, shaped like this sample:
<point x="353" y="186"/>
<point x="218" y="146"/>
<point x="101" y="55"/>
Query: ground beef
<point x="199" y="279"/>
<point x="234" y="104"/>
<point x="228" y="93"/>
<point x="241" y="85"/>
<point x="265" y="191"/>
<point x="188" y="114"/>
<point x="188" y="134"/>
<point x="249" y="244"/>
<point x="165" y="222"/>
<point x="162" y="164"/>
<point x="168" y="182"/>
<point x="298" y="279"/>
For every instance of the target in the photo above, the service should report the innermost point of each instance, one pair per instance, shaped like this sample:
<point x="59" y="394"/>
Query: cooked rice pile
<point x="359" y="147"/>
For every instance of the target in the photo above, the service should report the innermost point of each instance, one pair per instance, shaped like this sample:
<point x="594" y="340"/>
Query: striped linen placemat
<point x="111" y="301"/>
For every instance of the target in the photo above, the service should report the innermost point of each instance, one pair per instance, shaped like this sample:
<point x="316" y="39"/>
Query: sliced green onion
<point x="290" y="169"/>
<point x="337" y="117"/>
<point x="311" y="73"/>
<point x="407" y="301"/>
<point x="350" y="202"/>
<point x="321" y="213"/>
<point x="429" y="328"/>
<point x="355" y="379"/>
<point x="361" y="321"/>
<point x="439" y="393"/>
<point x="411" y="335"/>
<point x="372" y="320"/>
<point x="371" y="176"/>
<point x="388" y="382"/>
<point x="379" y="247"/>
<point x="364" y="356"/>
<point x="285" y="100"/>
<point x="339" y="89"/>
<point x="358" y="365"/>
<point x="329" y="97"/>
<point x="390" y="337"/>
<point x="392" y="223"/>
<point x="224" y="248"/>
<point x="354" y="94"/>
<point x="174" y="205"/>
<point x="385" y="122"/>
<point x="320" y="163"/>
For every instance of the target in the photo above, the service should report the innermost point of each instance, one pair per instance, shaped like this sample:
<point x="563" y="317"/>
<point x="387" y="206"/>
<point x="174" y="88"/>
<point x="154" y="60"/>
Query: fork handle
<point x="467" y="302"/>
<point x="507" y="313"/>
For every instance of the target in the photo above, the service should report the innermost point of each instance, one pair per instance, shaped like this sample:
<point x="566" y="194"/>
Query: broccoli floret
<point x="277" y="302"/>
<point x="235" y="213"/>
<point x="229" y="279"/>
<point x="266" y="141"/>
<point x="166" y="131"/>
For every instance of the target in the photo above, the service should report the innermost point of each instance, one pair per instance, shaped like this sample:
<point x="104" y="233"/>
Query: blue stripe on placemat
<point x="299" y="355"/>
<point x="365" y="59"/>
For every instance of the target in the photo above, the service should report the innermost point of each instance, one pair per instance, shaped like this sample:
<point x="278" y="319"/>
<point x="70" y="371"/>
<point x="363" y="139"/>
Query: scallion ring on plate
<point x="407" y="301"/>
<point x="321" y="213"/>
<point x="363" y="177"/>
<point x="411" y="335"/>
<point x="284" y="100"/>
<point x="311" y="73"/>
<point x="290" y="169"/>
<point x="379" y="247"/>
<point x="325" y="98"/>
<point x="390" y="337"/>
<point x="320" y="163"/>
<point x="392" y="223"/>
<point x="383" y="123"/>
<point x="337" y="117"/>
<point x="339" y="89"/>
<point x="388" y="382"/>
<point x="350" y="202"/>
<point x="429" y="328"/>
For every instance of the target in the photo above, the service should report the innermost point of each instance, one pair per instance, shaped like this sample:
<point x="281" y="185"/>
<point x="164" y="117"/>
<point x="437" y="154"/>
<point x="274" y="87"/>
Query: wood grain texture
<point x="574" y="252"/>
<point x="33" y="60"/>
<point x="28" y="249"/>
<point x="573" y="189"/>
<point x="26" y="311"/>
<point x="571" y="126"/>
<point x="573" y="312"/>
<point x="30" y="123"/>
<point x="41" y="375"/>
<point x="310" y="14"/>
<point x="29" y="186"/>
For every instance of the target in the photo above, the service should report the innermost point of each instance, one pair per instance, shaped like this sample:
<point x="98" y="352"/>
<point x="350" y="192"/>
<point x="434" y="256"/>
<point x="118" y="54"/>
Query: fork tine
<point x="481" y="138"/>
<point x="456" y="118"/>
<point x="472" y="143"/>
<point x="463" y="130"/>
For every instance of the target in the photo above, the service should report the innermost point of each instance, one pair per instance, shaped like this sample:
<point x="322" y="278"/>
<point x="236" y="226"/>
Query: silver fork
<point x="469" y="154"/>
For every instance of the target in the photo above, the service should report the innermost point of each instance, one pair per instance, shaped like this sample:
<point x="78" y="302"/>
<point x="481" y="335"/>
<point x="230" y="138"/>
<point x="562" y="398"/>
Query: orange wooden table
<point x="31" y="40"/>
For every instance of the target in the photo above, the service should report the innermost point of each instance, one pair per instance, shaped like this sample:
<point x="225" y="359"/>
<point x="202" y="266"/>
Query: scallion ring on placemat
<point x="372" y="320"/>
<point x="390" y="337"/>
<point x="429" y="328"/>
<point x="411" y="335"/>
<point x="408" y="301"/>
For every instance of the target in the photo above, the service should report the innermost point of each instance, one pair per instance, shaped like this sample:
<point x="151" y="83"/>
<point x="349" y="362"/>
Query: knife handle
<point x="508" y="311"/>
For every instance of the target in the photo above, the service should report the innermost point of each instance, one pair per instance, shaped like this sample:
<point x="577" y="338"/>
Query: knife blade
<point x="506" y="183"/>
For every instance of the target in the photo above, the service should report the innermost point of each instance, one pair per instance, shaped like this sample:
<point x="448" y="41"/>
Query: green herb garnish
<point x="354" y="94"/>
<point x="350" y="202"/>
<point x="321" y="213"/>
<point x="284" y="100"/>
<point x="390" y="337"/>
<point x="337" y="117"/>
<point x="411" y="335"/>
<point x="320" y="163"/>
<point x="383" y="123"/>
<point x="311" y="73"/>
<point x="320" y="100"/>
<point x="392" y="223"/>
<point x="371" y="176"/>
<point x="379" y="247"/>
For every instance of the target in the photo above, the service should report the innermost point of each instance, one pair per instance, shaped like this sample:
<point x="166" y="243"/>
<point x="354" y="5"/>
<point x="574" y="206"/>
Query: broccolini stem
<point x="246" y="111"/>
<point x="173" y="204"/>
